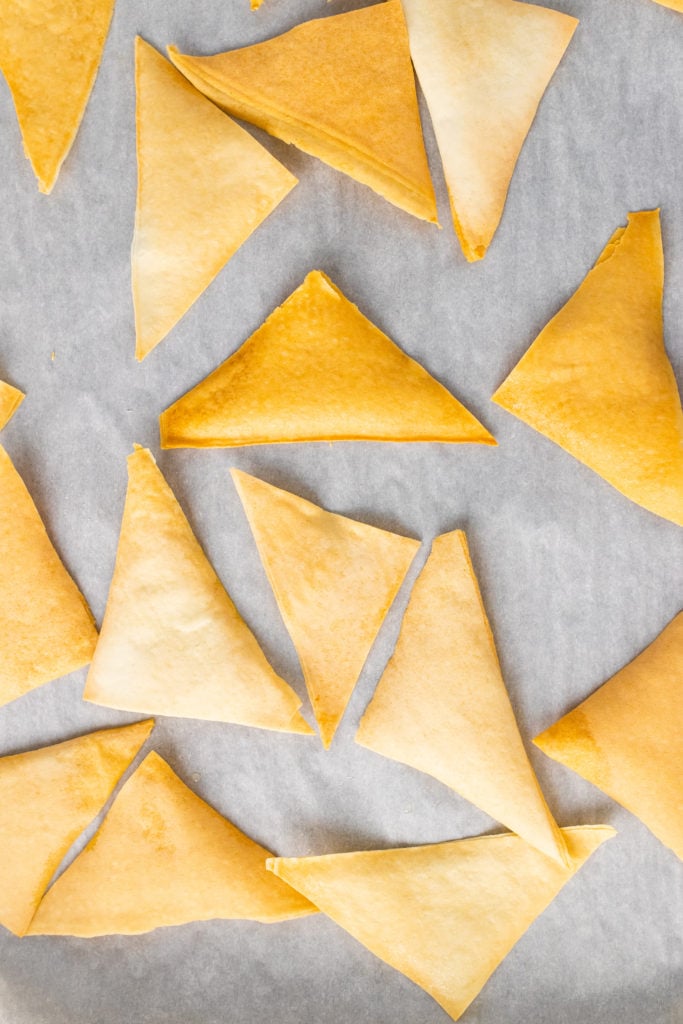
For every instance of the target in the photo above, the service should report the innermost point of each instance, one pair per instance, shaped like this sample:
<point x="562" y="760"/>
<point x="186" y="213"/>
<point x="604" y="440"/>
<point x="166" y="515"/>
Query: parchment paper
<point x="576" y="579"/>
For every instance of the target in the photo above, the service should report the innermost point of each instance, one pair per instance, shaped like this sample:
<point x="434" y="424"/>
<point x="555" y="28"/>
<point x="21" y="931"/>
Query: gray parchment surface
<point x="576" y="579"/>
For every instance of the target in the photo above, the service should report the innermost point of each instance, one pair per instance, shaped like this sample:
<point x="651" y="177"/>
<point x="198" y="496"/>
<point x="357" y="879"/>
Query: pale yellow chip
<point x="340" y="88"/>
<point x="598" y="382"/>
<point x="163" y="857"/>
<point x="46" y="629"/>
<point x="10" y="400"/>
<point x="627" y="737"/>
<point x="444" y="915"/>
<point x="334" y="580"/>
<point x="442" y="707"/>
<point x="675" y="5"/>
<point x="204" y="185"/>
<point x="172" y="641"/>
<point x="483" y="68"/>
<point x="49" y="54"/>
<point x="311" y="373"/>
<point x="47" y="798"/>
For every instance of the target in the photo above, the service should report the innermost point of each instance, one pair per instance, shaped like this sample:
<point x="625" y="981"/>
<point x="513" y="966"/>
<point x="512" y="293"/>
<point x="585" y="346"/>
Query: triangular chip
<point x="627" y="737"/>
<point x="172" y="642"/>
<point x="334" y="580"/>
<point x="47" y="798"/>
<point x="311" y="373"/>
<point x="10" y="400"/>
<point x="49" y="54"/>
<point x="444" y="915"/>
<point x="483" y="68"/>
<point x="204" y="185"/>
<point x="442" y="707"/>
<point x="341" y="88"/>
<point x="598" y="382"/>
<point x="46" y="629"/>
<point x="163" y="857"/>
<point x="675" y="5"/>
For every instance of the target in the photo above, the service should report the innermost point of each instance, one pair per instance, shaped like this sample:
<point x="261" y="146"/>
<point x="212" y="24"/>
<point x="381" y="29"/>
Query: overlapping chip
<point x="444" y="915"/>
<point x="627" y="737"/>
<point x="340" y="88"/>
<point x="204" y="185"/>
<point x="46" y="629"/>
<point x="598" y="382"/>
<point x="483" y="68"/>
<point x="47" y="798"/>
<point x="163" y="857"/>
<point x="318" y="370"/>
<point x="442" y="706"/>
<point x="172" y="641"/>
<point x="334" y="580"/>
<point x="49" y="54"/>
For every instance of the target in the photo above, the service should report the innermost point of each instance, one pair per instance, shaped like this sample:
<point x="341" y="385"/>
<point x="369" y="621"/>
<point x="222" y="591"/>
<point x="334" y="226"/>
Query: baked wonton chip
<point x="627" y="737"/>
<point x="444" y="915"/>
<point x="172" y="641"/>
<point x="598" y="382"/>
<point x="204" y="185"/>
<point x="483" y="68"/>
<point x="340" y="88"/>
<point x="442" y="707"/>
<point x="10" y="400"/>
<point x="334" y="580"/>
<point x="311" y="373"/>
<point x="46" y="629"/>
<point x="163" y="857"/>
<point x="49" y="54"/>
<point x="47" y="798"/>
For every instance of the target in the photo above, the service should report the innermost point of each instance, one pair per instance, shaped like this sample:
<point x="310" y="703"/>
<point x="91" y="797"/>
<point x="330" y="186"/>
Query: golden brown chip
<point x="444" y="915"/>
<point x="334" y="580"/>
<point x="626" y="737"/>
<point x="172" y="641"/>
<point x="163" y="857"/>
<point x="46" y="629"/>
<point x="598" y="382"/>
<point x="10" y="400"/>
<point x="204" y="185"/>
<point x="340" y="88"/>
<point x="483" y="68"/>
<point x="47" y="798"/>
<point x="50" y="51"/>
<point x="442" y="707"/>
<point x="311" y="373"/>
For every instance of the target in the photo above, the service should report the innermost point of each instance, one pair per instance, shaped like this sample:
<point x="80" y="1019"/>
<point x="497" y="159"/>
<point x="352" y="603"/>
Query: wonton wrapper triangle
<point x="47" y="798"/>
<point x="311" y="373"/>
<point x="49" y="54"/>
<point x="598" y="382"/>
<point x="442" y="706"/>
<point x="627" y="737"/>
<point x="10" y="400"/>
<point x="204" y="185"/>
<point x="163" y="857"/>
<point x="172" y="642"/>
<point x="46" y="629"/>
<point x="483" y="68"/>
<point x="444" y="915"/>
<point x="340" y="88"/>
<point x="334" y="580"/>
